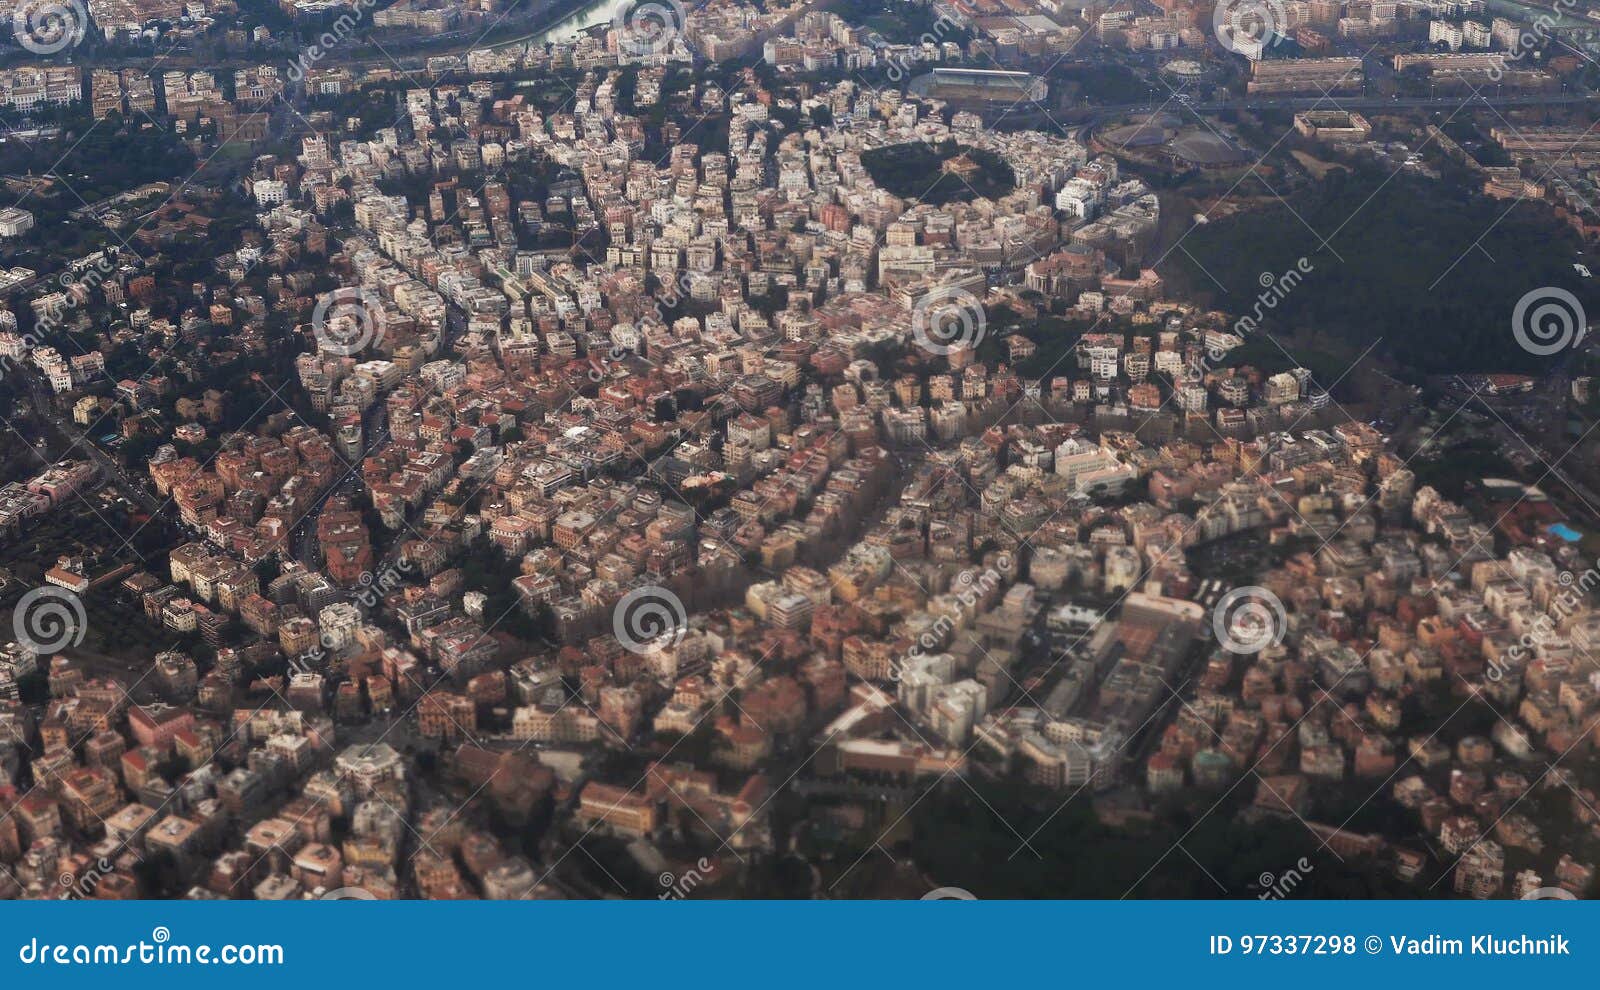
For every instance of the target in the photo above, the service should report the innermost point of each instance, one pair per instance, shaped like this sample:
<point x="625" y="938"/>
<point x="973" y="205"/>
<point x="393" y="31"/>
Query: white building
<point x="1444" y="31"/>
<point x="270" y="192"/>
<point x="15" y="222"/>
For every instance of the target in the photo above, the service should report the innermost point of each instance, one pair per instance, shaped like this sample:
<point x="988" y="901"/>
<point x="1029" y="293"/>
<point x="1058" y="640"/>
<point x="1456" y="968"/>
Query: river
<point x="575" y="23"/>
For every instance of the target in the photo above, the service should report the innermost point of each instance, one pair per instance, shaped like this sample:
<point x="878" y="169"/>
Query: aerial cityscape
<point x="807" y="449"/>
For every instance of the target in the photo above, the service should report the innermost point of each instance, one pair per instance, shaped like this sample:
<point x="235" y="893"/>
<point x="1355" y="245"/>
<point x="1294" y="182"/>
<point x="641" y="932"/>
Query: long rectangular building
<point x="1306" y="75"/>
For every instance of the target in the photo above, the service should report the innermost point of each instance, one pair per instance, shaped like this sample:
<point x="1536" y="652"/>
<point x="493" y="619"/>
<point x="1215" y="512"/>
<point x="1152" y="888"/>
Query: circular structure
<point x="647" y="615"/>
<point x="1548" y="320"/>
<point x="1149" y="131"/>
<point x="648" y="27"/>
<point x="347" y="321"/>
<point x="1167" y="140"/>
<point x="46" y="27"/>
<point x="49" y="619"/>
<point x="1248" y="620"/>
<point x="948" y="319"/>
<point x="1205" y="149"/>
<point x="1245" y="27"/>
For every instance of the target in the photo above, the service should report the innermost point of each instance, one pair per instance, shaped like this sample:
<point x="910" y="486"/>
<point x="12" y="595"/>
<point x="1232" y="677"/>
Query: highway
<point x="1336" y="102"/>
